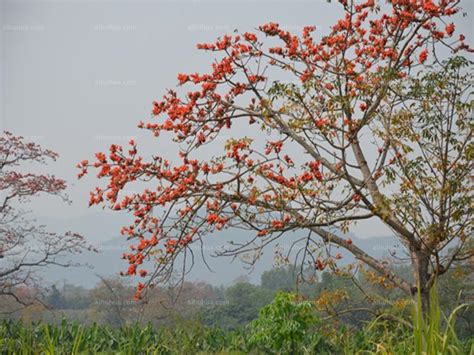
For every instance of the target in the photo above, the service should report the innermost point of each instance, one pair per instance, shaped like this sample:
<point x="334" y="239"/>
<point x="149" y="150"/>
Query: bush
<point x="288" y="326"/>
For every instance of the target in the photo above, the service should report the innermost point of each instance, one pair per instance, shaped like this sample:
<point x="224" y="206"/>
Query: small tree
<point x="24" y="246"/>
<point x="288" y="325"/>
<point x="367" y="123"/>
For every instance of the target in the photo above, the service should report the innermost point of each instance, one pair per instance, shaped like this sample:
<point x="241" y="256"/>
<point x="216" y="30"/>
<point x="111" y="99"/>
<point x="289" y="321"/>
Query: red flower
<point x="156" y="108"/>
<point x="321" y="122"/>
<point x="276" y="50"/>
<point x="250" y="37"/>
<point x="320" y="265"/>
<point x="212" y="218"/>
<point x="318" y="175"/>
<point x="132" y="269"/>
<point x="101" y="157"/>
<point x="306" y="76"/>
<point x="183" y="78"/>
<point x="276" y="224"/>
<point x="423" y="56"/>
<point x="450" y="29"/>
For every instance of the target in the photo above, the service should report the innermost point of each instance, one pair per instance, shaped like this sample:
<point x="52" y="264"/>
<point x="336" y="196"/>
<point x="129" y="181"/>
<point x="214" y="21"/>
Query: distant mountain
<point x="107" y="262"/>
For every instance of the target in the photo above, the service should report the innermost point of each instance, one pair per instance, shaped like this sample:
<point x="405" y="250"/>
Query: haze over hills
<point x="101" y="230"/>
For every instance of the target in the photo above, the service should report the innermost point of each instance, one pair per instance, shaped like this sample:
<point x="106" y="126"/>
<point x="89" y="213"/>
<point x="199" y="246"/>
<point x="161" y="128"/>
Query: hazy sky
<point x="77" y="76"/>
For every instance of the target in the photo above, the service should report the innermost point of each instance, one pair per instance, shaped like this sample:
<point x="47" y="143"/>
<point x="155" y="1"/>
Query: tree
<point x="368" y="123"/>
<point x="112" y="302"/>
<point x="24" y="246"/>
<point x="55" y="299"/>
<point x="279" y="279"/>
<point x="241" y="305"/>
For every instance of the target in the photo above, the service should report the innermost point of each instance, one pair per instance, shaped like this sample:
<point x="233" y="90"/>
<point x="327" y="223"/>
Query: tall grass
<point x="435" y="333"/>
<point x="70" y="338"/>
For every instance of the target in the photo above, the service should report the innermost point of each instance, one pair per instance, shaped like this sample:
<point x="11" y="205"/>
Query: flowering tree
<point x="24" y="246"/>
<point x="368" y="123"/>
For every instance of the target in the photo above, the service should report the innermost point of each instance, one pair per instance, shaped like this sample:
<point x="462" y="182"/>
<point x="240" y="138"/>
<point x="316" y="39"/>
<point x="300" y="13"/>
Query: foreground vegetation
<point x="338" y="314"/>
<point x="288" y="325"/>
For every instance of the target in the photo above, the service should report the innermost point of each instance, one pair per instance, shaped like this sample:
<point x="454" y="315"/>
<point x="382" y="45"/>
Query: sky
<point x="77" y="76"/>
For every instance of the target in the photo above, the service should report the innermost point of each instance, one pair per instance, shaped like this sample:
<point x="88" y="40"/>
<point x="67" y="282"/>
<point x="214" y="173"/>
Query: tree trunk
<point x="421" y="264"/>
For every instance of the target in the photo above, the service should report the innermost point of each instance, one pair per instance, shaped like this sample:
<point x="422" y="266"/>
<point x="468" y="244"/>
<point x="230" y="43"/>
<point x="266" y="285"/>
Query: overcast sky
<point x="77" y="76"/>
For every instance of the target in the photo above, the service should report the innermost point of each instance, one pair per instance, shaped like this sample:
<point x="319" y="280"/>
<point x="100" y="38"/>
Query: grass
<point x="428" y="336"/>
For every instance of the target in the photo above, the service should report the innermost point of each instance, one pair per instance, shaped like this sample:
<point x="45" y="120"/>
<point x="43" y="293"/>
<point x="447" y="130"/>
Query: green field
<point x="289" y="325"/>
